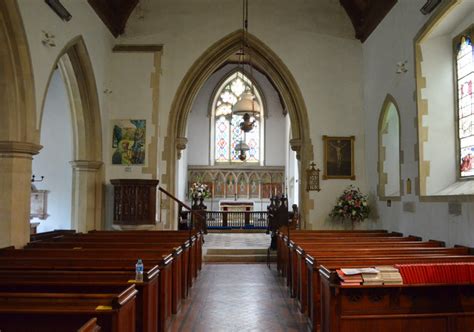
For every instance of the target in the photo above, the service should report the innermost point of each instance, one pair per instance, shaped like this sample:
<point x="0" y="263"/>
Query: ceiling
<point x="364" y="14"/>
<point x="114" y="13"/>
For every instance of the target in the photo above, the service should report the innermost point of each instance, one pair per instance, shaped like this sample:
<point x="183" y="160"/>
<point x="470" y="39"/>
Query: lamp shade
<point x="246" y="104"/>
<point x="242" y="146"/>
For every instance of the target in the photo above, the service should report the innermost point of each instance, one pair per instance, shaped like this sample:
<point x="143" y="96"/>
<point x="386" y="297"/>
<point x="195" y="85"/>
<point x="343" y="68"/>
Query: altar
<point x="231" y="216"/>
<point x="236" y="205"/>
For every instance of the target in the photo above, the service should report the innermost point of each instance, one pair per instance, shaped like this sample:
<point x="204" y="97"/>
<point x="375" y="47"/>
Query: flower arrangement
<point x="199" y="190"/>
<point x="352" y="204"/>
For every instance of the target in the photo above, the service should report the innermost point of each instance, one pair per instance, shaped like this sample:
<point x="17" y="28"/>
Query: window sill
<point x="458" y="188"/>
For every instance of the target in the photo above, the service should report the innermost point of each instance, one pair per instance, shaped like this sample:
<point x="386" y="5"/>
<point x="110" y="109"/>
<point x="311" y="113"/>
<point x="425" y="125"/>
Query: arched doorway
<point x="269" y="63"/>
<point x="76" y="70"/>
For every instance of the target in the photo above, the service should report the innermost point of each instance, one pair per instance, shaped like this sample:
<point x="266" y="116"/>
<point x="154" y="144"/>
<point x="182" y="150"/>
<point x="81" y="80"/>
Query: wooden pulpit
<point x="134" y="201"/>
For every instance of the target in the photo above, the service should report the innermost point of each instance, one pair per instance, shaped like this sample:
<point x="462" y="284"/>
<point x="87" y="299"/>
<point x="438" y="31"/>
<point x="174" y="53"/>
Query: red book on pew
<point x="443" y="271"/>
<point x="413" y="274"/>
<point x="471" y="273"/>
<point x="403" y="272"/>
<point x="430" y="273"/>
<point x="422" y="273"/>
<point x="451" y="278"/>
<point x="465" y="273"/>
<point x="437" y="273"/>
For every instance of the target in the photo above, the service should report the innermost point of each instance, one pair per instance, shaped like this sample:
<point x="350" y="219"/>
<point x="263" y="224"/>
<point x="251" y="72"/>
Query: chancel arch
<point x="76" y="70"/>
<point x="390" y="156"/>
<point x="269" y="63"/>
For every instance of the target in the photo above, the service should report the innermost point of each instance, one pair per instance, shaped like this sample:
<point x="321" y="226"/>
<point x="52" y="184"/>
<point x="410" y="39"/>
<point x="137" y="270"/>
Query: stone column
<point x="15" y="188"/>
<point x="86" y="207"/>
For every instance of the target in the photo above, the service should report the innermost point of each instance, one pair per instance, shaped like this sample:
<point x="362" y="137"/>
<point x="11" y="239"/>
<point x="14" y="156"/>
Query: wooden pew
<point x="425" y="307"/>
<point x="91" y="282"/>
<point x="101" y="264"/>
<point x="299" y="269"/>
<point x="329" y="245"/>
<point x="145" y="237"/>
<point x="41" y="312"/>
<point x="285" y="247"/>
<point x="185" y="269"/>
<point x="90" y="326"/>
<point x="303" y="237"/>
<point x="148" y="245"/>
<point x="144" y="254"/>
<point x="192" y="248"/>
<point x="314" y="304"/>
<point x="50" y="234"/>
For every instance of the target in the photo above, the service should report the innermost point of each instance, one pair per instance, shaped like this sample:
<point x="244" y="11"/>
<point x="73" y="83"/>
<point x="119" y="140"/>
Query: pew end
<point x="440" y="243"/>
<point x="90" y="326"/>
<point x="415" y="238"/>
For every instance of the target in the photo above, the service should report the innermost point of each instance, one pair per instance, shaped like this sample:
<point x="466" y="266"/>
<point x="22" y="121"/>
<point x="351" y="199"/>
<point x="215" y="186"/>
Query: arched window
<point x="465" y="102"/>
<point x="226" y="127"/>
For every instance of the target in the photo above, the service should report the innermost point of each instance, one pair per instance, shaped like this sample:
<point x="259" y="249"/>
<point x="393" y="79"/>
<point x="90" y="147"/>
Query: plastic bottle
<point x="139" y="270"/>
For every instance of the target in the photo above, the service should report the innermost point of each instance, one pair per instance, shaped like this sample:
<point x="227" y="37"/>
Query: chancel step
<point x="244" y="255"/>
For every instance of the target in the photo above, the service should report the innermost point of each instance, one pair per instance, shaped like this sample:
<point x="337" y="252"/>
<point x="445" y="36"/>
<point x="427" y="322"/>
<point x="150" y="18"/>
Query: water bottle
<point x="139" y="270"/>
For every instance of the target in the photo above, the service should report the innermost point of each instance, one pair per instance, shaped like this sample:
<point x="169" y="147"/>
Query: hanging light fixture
<point x="242" y="147"/>
<point x="246" y="106"/>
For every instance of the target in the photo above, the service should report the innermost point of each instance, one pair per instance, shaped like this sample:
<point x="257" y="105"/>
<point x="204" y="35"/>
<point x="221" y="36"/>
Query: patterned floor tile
<point x="239" y="297"/>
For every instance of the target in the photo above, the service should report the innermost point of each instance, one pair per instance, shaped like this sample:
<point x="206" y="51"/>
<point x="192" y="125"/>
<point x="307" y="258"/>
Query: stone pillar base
<point x="15" y="183"/>
<point x="86" y="210"/>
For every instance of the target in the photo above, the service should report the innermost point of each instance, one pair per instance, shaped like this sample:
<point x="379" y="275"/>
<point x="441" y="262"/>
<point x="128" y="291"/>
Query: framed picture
<point x="338" y="157"/>
<point x="128" y="142"/>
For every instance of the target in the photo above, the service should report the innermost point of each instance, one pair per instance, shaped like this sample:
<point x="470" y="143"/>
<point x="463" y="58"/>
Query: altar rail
<point x="235" y="219"/>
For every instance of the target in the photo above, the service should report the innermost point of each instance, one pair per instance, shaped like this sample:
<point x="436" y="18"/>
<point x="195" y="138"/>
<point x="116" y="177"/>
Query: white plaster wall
<point x="38" y="17"/>
<point x="313" y="38"/>
<point x="391" y="42"/>
<point x="391" y="142"/>
<point x="182" y="174"/>
<point x="53" y="161"/>
<point x="130" y="98"/>
<point x="291" y="170"/>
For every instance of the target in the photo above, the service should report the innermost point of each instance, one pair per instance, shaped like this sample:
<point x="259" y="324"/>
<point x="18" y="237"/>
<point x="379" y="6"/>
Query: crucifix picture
<point x="338" y="157"/>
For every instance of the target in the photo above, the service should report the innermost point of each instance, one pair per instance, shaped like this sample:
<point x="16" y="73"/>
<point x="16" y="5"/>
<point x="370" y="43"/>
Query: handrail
<point x="175" y="198"/>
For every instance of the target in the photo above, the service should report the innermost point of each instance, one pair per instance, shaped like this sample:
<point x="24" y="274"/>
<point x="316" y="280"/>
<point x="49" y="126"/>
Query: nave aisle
<point x="238" y="298"/>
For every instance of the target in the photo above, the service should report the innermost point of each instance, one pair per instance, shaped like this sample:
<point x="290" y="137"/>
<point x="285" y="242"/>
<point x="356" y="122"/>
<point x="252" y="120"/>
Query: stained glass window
<point x="227" y="132"/>
<point x="464" y="79"/>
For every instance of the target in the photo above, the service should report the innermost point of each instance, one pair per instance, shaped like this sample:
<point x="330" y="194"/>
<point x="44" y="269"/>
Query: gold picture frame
<point x="338" y="157"/>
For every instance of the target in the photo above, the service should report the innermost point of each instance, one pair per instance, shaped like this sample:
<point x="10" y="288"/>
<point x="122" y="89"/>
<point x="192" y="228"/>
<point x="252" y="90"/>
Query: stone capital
<point x="18" y="147"/>
<point x="296" y="144"/>
<point x="181" y="143"/>
<point x="86" y="165"/>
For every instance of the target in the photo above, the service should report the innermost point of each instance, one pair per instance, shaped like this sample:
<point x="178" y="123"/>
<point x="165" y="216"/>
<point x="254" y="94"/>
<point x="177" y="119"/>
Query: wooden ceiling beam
<point x="114" y="13"/>
<point x="366" y="14"/>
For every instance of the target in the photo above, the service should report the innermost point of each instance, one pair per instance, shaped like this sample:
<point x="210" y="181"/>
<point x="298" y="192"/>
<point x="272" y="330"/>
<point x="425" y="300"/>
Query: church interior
<point x="236" y="165"/>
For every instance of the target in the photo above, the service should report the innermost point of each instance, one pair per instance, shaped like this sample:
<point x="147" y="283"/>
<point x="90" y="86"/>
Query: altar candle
<point x="274" y="191"/>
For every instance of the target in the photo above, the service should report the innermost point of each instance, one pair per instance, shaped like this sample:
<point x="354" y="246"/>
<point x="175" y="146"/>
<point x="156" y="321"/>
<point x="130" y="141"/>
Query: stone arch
<point x="76" y="69"/>
<point x="17" y="84"/>
<point x="19" y="139"/>
<point x="280" y="76"/>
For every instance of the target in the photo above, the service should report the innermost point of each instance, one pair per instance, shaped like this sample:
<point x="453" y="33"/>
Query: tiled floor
<point x="238" y="297"/>
<point x="237" y="240"/>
